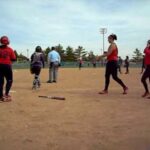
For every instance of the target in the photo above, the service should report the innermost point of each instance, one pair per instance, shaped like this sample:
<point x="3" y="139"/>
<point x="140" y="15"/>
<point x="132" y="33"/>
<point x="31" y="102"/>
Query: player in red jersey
<point x="111" y="66"/>
<point x="146" y="73"/>
<point x="7" y="55"/>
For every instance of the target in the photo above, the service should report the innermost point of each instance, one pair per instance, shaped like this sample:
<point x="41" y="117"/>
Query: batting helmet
<point x="4" y="40"/>
<point x="148" y="41"/>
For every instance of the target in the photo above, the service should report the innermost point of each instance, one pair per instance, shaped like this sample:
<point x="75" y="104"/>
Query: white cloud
<point x="74" y="22"/>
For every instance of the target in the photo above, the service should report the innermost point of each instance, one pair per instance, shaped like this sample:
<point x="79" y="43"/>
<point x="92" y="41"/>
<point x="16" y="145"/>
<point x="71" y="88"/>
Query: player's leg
<point x="9" y="81"/>
<point x="143" y="80"/>
<point x="115" y="77"/>
<point x="55" y="73"/>
<point x="1" y="83"/>
<point x="107" y="78"/>
<point x="37" y="76"/>
<point x="49" y="73"/>
<point x="34" y="80"/>
<point x="52" y="73"/>
<point x="127" y="69"/>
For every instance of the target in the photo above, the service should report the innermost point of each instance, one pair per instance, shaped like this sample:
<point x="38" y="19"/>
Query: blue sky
<point x="29" y="23"/>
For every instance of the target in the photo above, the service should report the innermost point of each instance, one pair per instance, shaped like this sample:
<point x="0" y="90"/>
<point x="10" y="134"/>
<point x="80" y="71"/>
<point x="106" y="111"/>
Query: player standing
<point x="7" y="55"/>
<point x="127" y="65"/>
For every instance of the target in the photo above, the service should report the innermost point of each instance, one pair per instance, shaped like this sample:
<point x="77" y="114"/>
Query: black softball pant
<point x="111" y="69"/>
<point x="36" y="70"/>
<point x="146" y="75"/>
<point x="5" y="72"/>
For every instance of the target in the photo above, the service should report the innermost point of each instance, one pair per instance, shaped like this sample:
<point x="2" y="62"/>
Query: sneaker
<point x="145" y="94"/>
<point x="1" y="99"/>
<point x="125" y="90"/>
<point x="54" y="81"/>
<point x="103" y="92"/>
<point x="38" y="85"/>
<point x="33" y="87"/>
<point x="49" y="81"/>
<point x="7" y="98"/>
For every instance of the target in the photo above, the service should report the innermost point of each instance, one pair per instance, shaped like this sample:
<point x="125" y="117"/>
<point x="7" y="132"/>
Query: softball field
<point x="84" y="121"/>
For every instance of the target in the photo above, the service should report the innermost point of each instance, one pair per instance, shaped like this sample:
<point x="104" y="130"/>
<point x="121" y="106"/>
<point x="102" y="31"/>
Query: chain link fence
<point x="26" y="65"/>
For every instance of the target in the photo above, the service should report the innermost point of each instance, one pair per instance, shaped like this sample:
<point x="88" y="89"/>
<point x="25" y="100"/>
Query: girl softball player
<point x="146" y="73"/>
<point x="37" y="62"/>
<point x="7" y="55"/>
<point x="111" y="66"/>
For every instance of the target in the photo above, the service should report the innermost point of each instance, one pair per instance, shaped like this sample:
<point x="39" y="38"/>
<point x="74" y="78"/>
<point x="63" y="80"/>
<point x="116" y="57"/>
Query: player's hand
<point x="97" y="58"/>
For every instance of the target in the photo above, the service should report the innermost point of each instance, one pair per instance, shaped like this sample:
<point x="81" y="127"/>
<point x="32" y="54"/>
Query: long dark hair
<point x="113" y="36"/>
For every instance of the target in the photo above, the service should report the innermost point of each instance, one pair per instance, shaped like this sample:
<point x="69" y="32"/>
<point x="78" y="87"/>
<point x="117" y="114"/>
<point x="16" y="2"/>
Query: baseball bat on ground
<point x="53" y="97"/>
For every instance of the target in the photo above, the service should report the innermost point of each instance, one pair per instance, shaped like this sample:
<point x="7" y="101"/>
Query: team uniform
<point x="127" y="65"/>
<point x="80" y="63"/>
<point x="111" y="69"/>
<point x="146" y="73"/>
<point x="37" y="62"/>
<point x="7" y="55"/>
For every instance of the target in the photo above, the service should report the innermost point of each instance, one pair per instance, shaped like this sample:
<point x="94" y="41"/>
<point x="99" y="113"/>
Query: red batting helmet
<point x="4" y="40"/>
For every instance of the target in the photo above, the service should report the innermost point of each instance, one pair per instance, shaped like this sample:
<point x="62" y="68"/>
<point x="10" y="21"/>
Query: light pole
<point x="103" y="31"/>
<point x="28" y="53"/>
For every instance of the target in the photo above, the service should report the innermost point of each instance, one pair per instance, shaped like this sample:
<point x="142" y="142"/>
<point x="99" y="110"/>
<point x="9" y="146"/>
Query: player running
<point x="7" y="55"/>
<point x="111" y="66"/>
<point x="37" y="62"/>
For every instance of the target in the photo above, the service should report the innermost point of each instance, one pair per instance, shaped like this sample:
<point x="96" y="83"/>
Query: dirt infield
<point x="84" y="121"/>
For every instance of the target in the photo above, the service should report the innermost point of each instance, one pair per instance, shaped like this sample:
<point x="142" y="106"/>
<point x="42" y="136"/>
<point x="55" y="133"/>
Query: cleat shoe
<point x="125" y="90"/>
<point x="7" y="98"/>
<point x="1" y="99"/>
<point x="145" y="94"/>
<point x="103" y="92"/>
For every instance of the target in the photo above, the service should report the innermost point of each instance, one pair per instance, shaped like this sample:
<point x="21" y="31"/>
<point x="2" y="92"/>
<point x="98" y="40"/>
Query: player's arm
<point x="42" y="59"/>
<point x="13" y="56"/>
<point x="110" y="50"/>
<point x="147" y="52"/>
<point x="32" y="56"/>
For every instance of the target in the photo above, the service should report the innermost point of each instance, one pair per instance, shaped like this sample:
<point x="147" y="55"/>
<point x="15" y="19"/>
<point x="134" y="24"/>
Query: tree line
<point x="71" y="54"/>
<point x="68" y="54"/>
